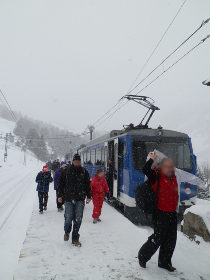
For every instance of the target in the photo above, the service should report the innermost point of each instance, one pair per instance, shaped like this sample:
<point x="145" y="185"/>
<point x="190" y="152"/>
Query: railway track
<point x="13" y="198"/>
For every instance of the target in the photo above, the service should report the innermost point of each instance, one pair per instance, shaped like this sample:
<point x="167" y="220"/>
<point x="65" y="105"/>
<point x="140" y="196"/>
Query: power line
<point x="157" y="45"/>
<point x="172" y="65"/>
<point x="118" y="108"/>
<point x="174" y="51"/>
<point x="8" y="106"/>
<point x="109" y="112"/>
<point x="166" y="70"/>
<point x="58" y="137"/>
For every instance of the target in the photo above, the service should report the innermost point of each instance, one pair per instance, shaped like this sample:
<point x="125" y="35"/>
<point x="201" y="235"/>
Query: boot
<point x="66" y="237"/>
<point x="142" y="264"/>
<point x="170" y="268"/>
<point x="45" y="208"/>
<point x="76" y="243"/>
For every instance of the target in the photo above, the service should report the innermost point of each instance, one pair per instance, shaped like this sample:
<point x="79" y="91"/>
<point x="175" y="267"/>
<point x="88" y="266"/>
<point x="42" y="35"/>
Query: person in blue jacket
<point x="58" y="173"/>
<point x="43" y="180"/>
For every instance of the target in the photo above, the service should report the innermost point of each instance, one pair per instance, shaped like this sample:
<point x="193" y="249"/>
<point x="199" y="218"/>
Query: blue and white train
<point x="128" y="150"/>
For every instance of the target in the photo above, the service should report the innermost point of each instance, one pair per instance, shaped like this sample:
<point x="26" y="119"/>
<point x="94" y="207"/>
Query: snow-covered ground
<point x="109" y="250"/>
<point x="16" y="201"/>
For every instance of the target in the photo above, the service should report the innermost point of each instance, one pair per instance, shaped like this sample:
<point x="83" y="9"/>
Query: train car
<point x="128" y="150"/>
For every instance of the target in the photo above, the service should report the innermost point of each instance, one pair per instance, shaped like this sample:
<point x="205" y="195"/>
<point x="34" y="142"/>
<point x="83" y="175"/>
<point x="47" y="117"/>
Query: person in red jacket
<point x="165" y="218"/>
<point x="99" y="187"/>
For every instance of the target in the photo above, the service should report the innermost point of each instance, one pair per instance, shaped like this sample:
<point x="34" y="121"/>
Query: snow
<point x="109" y="250"/>
<point x="202" y="209"/>
<point x="16" y="201"/>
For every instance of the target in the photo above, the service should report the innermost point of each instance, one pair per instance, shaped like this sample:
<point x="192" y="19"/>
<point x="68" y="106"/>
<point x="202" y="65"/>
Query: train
<point x="127" y="150"/>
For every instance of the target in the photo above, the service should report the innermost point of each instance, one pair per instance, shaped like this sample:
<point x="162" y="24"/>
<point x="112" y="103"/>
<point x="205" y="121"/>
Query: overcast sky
<point x="66" y="62"/>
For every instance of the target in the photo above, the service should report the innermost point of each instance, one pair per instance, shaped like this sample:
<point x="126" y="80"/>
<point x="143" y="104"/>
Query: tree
<point x="36" y="144"/>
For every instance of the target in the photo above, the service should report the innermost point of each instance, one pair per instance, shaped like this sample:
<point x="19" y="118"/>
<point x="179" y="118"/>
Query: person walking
<point x="55" y="166"/>
<point x="58" y="172"/>
<point x="43" y="179"/>
<point x="165" y="218"/>
<point x="166" y="180"/>
<point x="74" y="188"/>
<point x="99" y="187"/>
<point x="49" y="164"/>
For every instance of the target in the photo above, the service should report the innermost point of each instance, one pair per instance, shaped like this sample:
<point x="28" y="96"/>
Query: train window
<point x="116" y="156"/>
<point x="105" y="155"/>
<point x="179" y="152"/>
<point x="187" y="158"/>
<point x="102" y="156"/>
<point x="82" y="158"/>
<point x="85" y="157"/>
<point x="93" y="156"/>
<point x="88" y="161"/>
<point x="98" y="156"/>
<point x="139" y="154"/>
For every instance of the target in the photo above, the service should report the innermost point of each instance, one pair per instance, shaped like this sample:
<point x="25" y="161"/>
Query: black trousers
<point x="164" y="236"/>
<point x="43" y="198"/>
<point x="59" y="205"/>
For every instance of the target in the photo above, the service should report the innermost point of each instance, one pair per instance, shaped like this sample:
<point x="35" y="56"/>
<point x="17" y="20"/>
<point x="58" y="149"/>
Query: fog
<point x="67" y="62"/>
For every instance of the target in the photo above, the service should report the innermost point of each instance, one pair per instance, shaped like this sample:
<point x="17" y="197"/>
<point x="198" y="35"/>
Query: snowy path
<point x="109" y="251"/>
<point x="16" y="202"/>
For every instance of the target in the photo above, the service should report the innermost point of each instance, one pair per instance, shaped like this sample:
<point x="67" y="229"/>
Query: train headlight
<point x="188" y="191"/>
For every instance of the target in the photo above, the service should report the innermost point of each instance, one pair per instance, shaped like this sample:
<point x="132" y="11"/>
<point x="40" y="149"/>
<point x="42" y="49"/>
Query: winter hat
<point x="45" y="169"/>
<point x="76" y="157"/>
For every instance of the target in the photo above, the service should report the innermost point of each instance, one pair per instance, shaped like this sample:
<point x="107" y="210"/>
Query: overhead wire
<point x="157" y="77"/>
<point x="172" y="65"/>
<point x="142" y="69"/>
<point x="173" y="52"/>
<point x="157" y="45"/>
<point x="161" y="63"/>
<point x="5" y="102"/>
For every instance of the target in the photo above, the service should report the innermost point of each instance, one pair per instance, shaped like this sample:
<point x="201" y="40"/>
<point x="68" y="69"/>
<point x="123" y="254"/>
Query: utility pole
<point x="5" y="148"/>
<point x="91" y="129"/>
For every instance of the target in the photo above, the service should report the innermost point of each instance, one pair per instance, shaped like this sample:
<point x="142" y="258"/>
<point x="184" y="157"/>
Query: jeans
<point x="43" y="198"/>
<point x="164" y="237"/>
<point x="73" y="214"/>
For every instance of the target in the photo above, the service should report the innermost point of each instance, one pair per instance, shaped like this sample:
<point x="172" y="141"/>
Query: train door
<point x="106" y="162"/>
<point x="115" y="163"/>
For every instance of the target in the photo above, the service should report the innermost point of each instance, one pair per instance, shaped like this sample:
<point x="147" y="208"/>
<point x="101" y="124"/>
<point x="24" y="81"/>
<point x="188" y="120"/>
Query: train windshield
<point x="179" y="152"/>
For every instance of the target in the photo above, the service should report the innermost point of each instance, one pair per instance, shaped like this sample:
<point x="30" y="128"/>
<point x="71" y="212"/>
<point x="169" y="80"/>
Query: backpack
<point x="146" y="198"/>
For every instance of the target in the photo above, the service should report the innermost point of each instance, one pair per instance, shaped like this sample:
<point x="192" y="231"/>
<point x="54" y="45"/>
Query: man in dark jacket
<point x="165" y="224"/>
<point x="43" y="179"/>
<point x="74" y="188"/>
